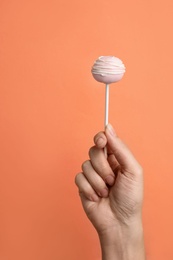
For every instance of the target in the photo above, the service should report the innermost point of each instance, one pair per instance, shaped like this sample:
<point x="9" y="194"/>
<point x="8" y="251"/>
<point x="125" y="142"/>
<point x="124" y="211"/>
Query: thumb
<point x="122" y="153"/>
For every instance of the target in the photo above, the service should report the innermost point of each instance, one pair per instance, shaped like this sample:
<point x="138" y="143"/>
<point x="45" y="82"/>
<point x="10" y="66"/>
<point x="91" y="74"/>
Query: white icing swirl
<point x="105" y="65"/>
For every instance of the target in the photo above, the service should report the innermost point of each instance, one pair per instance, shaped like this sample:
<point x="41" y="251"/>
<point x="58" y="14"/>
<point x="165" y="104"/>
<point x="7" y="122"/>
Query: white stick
<point x="106" y="112"/>
<point x="106" y="105"/>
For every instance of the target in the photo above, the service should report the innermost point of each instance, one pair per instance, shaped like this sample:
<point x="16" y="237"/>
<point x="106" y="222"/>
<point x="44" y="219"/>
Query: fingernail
<point x="110" y="180"/>
<point x="94" y="198"/>
<point x="104" y="193"/>
<point x="99" y="141"/>
<point x="111" y="129"/>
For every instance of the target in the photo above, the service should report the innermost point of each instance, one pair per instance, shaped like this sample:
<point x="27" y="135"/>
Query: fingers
<point x="90" y="184"/>
<point x="99" y="171"/>
<point x="100" y="140"/>
<point x="121" y="152"/>
<point x="101" y="165"/>
<point x="113" y="163"/>
<point x="85" y="189"/>
<point x="122" y="155"/>
<point x="94" y="179"/>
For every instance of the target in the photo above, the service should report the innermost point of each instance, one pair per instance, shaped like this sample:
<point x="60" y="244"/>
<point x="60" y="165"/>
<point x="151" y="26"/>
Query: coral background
<point x="51" y="107"/>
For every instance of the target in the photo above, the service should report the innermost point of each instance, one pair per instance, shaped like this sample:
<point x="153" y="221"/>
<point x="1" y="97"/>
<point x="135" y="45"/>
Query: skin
<point x="111" y="191"/>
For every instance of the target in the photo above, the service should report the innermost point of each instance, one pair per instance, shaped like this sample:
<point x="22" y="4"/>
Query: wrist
<point x="123" y="242"/>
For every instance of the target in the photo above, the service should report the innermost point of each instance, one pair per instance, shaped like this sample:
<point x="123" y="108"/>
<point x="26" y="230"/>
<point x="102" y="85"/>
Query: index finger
<point x="100" y="140"/>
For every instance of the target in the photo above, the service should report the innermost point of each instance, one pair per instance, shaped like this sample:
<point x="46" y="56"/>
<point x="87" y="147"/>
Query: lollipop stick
<point x="106" y="112"/>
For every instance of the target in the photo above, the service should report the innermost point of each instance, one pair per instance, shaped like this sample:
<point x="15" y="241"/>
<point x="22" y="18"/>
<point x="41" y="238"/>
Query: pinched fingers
<point x="122" y="154"/>
<point x="101" y="141"/>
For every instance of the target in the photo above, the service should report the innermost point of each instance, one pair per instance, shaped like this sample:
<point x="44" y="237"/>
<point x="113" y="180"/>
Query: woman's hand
<point x="111" y="191"/>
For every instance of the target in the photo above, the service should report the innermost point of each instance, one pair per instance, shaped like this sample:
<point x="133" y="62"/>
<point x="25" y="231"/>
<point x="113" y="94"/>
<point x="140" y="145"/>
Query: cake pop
<point x="107" y="70"/>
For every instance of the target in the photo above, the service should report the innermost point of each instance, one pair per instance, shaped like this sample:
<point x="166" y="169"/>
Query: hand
<point x="111" y="191"/>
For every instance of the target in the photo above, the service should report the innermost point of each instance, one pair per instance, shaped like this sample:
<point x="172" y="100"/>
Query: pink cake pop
<point x="107" y="69"/>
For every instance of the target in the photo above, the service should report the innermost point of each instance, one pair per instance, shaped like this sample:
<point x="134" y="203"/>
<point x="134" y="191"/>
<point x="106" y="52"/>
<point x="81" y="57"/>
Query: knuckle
<point x="91" y="150"/>
<point x="77" y="177"/>
<point x="85" y="165"/>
